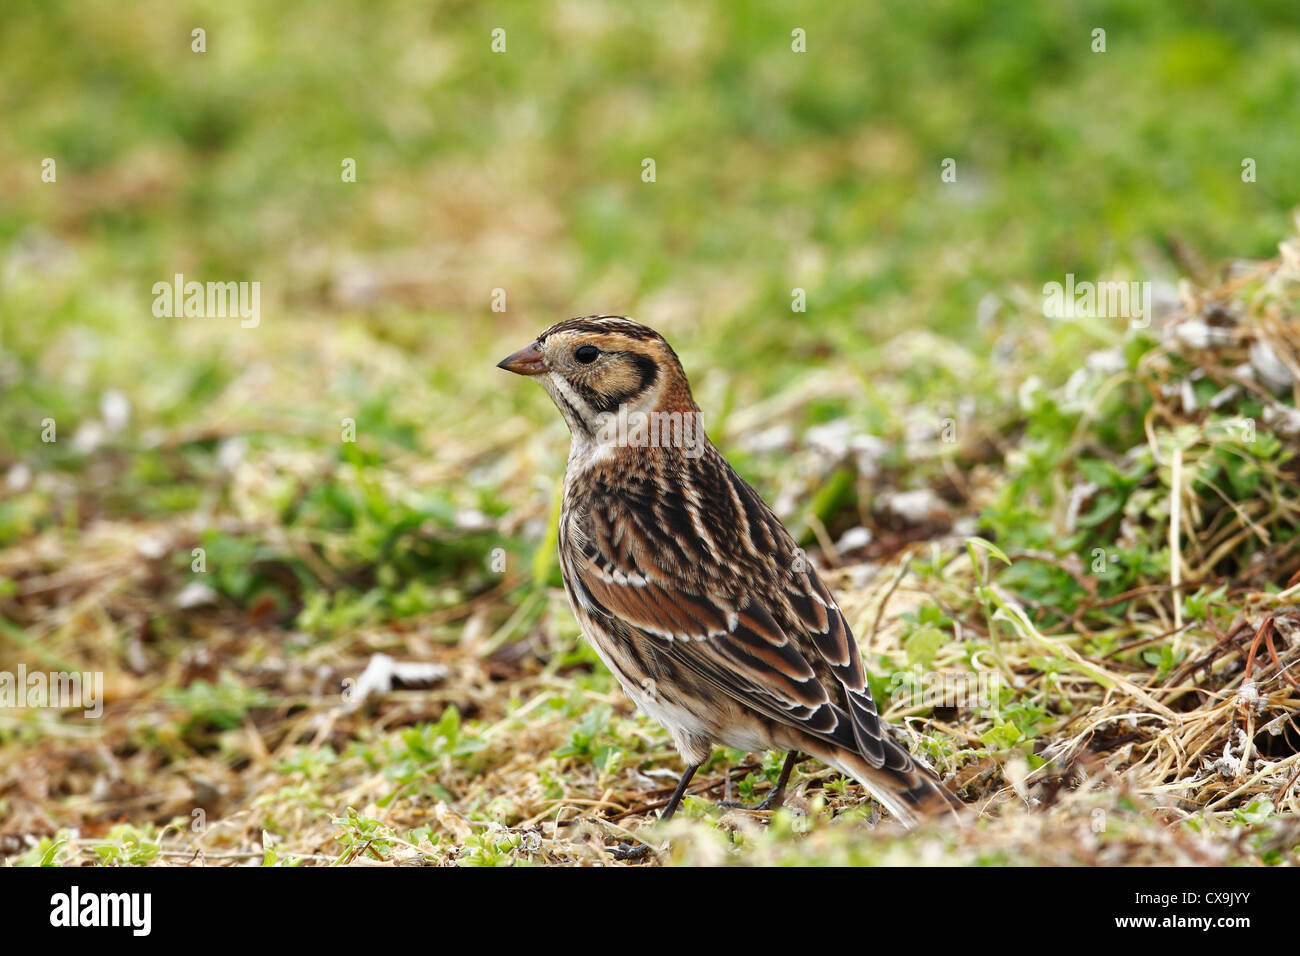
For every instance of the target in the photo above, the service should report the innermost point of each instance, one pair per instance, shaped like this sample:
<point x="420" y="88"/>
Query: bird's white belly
<point x="677" y="719"/>
<point x="681" y="723"/>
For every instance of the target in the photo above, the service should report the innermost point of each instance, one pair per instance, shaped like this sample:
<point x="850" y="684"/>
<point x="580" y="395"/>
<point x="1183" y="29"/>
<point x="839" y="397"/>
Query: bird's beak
<point x="527" y="361"/>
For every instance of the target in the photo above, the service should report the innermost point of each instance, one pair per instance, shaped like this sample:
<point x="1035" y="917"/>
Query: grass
<point x="230" y="560"/>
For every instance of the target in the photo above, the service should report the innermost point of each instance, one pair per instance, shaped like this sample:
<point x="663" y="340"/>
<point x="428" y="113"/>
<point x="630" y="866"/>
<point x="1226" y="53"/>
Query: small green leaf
<point x="923" y="646"/>
<point x="988" y="546"/>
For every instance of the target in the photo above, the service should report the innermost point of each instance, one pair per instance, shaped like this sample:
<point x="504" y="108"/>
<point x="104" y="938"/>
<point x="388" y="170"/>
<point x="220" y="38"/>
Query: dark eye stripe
<point x="647" y="370"/>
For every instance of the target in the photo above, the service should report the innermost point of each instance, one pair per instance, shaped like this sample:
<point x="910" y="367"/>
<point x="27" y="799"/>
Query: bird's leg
<point x="777" y="795"/>
<point x="626" y="851"/>
<point x="676" y="798"/>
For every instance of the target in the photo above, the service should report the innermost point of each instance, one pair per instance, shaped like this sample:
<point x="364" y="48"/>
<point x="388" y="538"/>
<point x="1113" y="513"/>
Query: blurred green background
<point x="522" y="171"/>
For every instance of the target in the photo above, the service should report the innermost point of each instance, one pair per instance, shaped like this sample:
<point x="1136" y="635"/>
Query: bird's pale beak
<point x="527" y="361"/>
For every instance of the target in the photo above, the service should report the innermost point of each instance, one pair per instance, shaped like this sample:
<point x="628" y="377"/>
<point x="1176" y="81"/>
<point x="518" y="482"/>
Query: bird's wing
<point x="727" y="595"/>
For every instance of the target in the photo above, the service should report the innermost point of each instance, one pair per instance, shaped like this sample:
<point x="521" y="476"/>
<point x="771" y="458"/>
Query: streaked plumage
<point x="688" y="586"/>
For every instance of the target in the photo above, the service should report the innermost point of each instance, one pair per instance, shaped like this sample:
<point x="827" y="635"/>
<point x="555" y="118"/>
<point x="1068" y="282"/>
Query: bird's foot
<point x="771" y="802"/>
<point x="628" y="851"/>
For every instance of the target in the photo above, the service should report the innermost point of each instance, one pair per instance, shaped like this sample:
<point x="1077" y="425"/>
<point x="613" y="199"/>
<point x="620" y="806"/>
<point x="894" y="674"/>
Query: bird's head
<point x="600" y="366"/>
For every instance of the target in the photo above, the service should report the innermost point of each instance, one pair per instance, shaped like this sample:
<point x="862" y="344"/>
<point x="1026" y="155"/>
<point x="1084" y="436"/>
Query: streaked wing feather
<point x="768" y="637"/>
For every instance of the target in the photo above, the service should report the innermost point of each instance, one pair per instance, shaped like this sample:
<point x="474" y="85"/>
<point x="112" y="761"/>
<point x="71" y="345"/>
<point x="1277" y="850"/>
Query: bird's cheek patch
<point x="627" y="377"/>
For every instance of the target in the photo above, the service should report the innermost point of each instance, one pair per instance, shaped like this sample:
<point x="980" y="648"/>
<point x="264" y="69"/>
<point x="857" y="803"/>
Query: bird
<point x="691" y="590"/>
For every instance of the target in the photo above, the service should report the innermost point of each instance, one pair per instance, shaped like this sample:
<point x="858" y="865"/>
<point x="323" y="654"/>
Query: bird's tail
<point x="912" y="793"/>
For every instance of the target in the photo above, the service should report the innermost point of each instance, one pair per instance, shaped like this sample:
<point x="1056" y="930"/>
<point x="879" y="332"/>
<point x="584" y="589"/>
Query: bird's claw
<point x="771" y="802"/>
<point x="628" y="851"/>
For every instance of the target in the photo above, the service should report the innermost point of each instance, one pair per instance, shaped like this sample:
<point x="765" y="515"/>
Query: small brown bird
<point x="688" y="586"/>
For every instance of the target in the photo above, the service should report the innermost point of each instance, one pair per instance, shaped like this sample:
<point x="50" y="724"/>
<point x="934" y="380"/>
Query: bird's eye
<point x="587" y="354"/>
